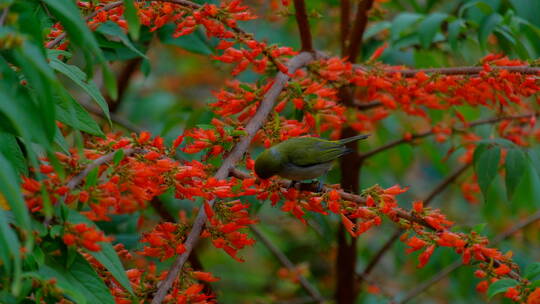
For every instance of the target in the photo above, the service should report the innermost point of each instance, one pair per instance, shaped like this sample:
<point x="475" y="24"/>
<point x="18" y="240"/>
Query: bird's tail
<point x="353" y="138"/>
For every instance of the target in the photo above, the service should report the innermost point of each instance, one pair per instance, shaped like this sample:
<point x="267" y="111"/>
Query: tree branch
<point x="282" y="258"/>
<point x="345" y="24"/>
<point x="303" y="25"/>
<point x="3" y="15"/>
<point x="76" y="180"/>
<point x="428" y="133"/>
<point x="234" y="156"/>
<point x="463" y="70"/>
<point x="436" y="191"/>
<point x="420" y="288"/>
<point x="357" y="33"/>
<point x="114" y="117"/>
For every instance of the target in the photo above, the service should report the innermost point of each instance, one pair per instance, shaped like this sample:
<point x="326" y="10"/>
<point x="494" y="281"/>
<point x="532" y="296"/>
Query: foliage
<point x="94" y="208"/>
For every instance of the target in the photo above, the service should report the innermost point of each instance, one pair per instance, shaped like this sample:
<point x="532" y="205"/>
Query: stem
<point x="360" y="22"/>
<point x="436" y="191"/>
<point x="234" y="156"/>
<point x="76" y="180"/>
<point x="3" y="16"/>
<point x="428" y="133"/>
<point x="463" y="70"/>
<point x="303" y="25"/>
<point x="313" y="292"/>
<point x="456" y="264"/>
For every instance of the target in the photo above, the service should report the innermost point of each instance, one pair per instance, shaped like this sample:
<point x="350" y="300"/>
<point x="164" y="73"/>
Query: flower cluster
<point x="84" y="236"/>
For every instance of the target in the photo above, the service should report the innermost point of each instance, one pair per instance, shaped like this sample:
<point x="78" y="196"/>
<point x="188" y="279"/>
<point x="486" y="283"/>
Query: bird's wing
<point x="314" y="151"/>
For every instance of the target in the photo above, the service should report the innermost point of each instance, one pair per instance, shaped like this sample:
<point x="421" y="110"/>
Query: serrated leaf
<point x="487" y="26"/>
<point x="515" y="165"/>
<point x="428" y="28"/>
<point x="500" y="286"/>
<point x="107" y="256"/>
<point x="401" y="22"/>
<point x="486" y="164"/>
<point x="112" y="29"/>
<point x="130" y="13"/>
<point x="79" y="78"/>
<point x="532" y="271"/>
<point x="79" y="281"/>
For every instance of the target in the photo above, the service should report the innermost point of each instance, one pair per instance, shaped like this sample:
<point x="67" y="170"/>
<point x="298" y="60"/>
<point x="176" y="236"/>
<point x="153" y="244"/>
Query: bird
<point x="302" y="158"/>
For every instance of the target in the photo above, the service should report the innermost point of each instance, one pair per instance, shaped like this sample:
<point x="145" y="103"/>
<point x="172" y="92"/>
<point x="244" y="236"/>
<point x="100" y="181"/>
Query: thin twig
<point x="313" y="292"/>
<point x="117" y="119"/>
<point x="368" y="105"/>
<point x="3" y="16"/>
<point x="303" y="25"/>
<point x="359" y="26"/>
<point x="463" y="70"/>
<point x="76" y="180"/>
<point x="428" y="133"/>
<point x="420" y="288"/>
<point x="382" y="251"/>
<point x="234" y="156"/>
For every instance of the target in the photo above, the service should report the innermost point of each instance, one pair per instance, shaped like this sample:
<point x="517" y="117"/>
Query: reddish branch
<point x="234" y="156"/>
<point x="464" y="70"/>
<point x="398" y="142"/>
<point x="359" y="26"/>
<point x="420" y="288"/>
<point x="345" y="24"/>
<point x="282" y="258"/>
<point x="303" y="25"/>
<point x="427" y="201"/>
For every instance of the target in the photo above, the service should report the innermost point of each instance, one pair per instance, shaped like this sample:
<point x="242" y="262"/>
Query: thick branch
<point x="236" y="154"/>
<point x="420" y="288"/>
<point x="436" y="191"/>
<point x="428" y="133"/>
<point x="345" y="24"/>
<point x="303" y="25"/>
<point x="313" y="292"/>
<point x="357" y="33"/>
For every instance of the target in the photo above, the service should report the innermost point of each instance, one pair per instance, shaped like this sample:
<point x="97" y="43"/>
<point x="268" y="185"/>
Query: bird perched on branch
<point x="302" y="158"/>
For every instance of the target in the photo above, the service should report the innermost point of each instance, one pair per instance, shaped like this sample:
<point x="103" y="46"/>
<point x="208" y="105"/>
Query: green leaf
<point x="13" y="153"/>
<point x="79" y="281"/>
<point x="454" y="29"/>
<point x="107" y="256"/>
<point x="500" y="286"/>
<point x="78" y="32"/>
<point x="487" y="26"/>
<point x="79" y="77"/>
<point x="110" y="82"/>
<point x="195" y="43"/>
<point x="483" y="6"/>
<point x="10" y="188"/>
<point x="532" y="271"/>
<point x="71" y="113"/>
<point x="486" y="164"/>
<point x="10" y="250"/>
<point x="118" y="156"/>
<point x="61" y="141"/>
<point x="515" y="165"/>
<point x="428" y="28"/>
<point x="376" y="28"/>
<point x="402" y="22"/>
<point x="130" y="13"/>
<point x="112" y="29"/>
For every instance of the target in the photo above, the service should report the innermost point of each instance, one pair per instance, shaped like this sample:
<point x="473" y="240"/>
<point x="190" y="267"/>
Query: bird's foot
<point x="320" y="187"/>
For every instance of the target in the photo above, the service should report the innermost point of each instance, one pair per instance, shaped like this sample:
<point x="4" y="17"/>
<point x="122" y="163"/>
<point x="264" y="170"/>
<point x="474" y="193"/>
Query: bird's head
<point x="269" y="163"/>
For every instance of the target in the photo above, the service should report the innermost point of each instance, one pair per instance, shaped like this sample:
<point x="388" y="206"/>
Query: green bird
<point x="302" y="158"/>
